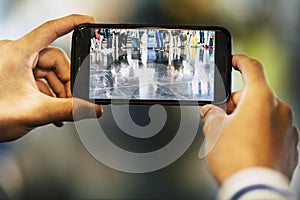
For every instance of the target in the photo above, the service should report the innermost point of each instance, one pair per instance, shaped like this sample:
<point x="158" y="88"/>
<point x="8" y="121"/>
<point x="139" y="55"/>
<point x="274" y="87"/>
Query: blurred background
<point x="51" y="163"/>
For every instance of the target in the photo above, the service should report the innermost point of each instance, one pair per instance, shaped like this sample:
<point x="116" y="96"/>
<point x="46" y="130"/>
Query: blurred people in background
<point x="33" y="168"/>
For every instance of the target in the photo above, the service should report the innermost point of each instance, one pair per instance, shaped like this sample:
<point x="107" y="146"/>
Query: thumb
<point x="214" y="118"/>
<point x="71" y="109"/>
<point x="83" y="110"/>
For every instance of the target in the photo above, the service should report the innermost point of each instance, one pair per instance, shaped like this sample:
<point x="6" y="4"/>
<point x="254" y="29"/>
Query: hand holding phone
<point x="143" y="64"/>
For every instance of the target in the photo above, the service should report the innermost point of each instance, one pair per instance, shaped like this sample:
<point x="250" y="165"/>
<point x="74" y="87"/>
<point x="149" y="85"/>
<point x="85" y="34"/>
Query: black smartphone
<point x="151" y="64"/>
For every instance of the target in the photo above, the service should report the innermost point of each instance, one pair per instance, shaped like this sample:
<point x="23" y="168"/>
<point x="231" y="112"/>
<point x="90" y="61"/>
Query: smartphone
<point x="151" y="64"/>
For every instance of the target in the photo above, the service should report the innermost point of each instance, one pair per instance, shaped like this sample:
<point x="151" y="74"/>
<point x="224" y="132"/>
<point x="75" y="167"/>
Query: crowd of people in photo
<point x="159" y="38"/>
<point x="152" y="63"/>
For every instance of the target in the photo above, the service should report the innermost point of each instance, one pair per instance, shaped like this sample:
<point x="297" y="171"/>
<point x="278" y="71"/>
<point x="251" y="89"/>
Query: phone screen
<point x="146" y="64"/>
<point x="152" y="64"/>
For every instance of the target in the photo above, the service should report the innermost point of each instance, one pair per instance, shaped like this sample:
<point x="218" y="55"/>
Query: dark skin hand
<point x="35" y="81"/>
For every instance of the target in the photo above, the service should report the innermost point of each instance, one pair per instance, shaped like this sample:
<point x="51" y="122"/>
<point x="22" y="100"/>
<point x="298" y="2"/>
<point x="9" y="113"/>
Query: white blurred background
<point x="51" y="163"/>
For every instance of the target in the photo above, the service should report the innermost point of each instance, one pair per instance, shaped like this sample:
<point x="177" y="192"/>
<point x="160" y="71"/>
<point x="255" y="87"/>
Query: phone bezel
<point x="81" y="48"/>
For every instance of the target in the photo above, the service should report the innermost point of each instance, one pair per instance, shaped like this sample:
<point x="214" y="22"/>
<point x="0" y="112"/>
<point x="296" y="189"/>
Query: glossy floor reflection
<point x="181" y="75"/>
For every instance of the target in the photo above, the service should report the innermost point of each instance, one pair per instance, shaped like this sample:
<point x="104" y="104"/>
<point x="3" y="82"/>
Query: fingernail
<point x="204" y="110"/>
<point x="99" y="111"/>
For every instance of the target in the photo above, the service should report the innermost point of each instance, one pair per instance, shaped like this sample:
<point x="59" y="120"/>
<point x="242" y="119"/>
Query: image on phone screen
<point x="152" y="64"/>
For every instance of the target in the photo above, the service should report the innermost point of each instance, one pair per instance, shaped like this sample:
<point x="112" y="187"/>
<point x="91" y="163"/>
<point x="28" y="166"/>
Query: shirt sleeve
<point x="256" y="183"/>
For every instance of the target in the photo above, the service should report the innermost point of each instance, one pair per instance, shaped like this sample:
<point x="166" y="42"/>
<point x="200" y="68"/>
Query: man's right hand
<point x="258" y="128"/>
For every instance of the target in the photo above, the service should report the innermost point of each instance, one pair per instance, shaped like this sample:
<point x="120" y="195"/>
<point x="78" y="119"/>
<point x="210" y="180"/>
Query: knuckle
<point x="58" y="50"/>
<point x="61" y="53"/>
<point x="267" y="96"/>
<point x="270" y="96"/>
<point x="74" y="15"/>
<point x="54" y="51"/>
<point x="287" y="110"/>
<point x="46" y="26"/>
<point x="4" y="43"/>
<point x="255" y="62"/>
<point x="258" y="65"/>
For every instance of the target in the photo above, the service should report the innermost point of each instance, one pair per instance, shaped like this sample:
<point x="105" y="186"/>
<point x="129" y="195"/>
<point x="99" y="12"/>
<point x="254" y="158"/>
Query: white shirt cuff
<point x="256" y="183"/>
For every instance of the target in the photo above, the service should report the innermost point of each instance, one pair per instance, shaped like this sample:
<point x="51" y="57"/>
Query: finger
<point x="58" y="124"/>
<point x="56" y="85"/>
<point x="256" y="86"/>
<point x="69" y="110"/>
<point x="68" y="89"/>
<point x="59" y="88"/>
<point x="213" y="118"/>
<point x="251" y="69"/>
<point x="45" y="34"/>
<point x="233" y="101"/>
<point x="204" y="109"/>
<point x="54" y="59"/>
<point x="44" y="88"/>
